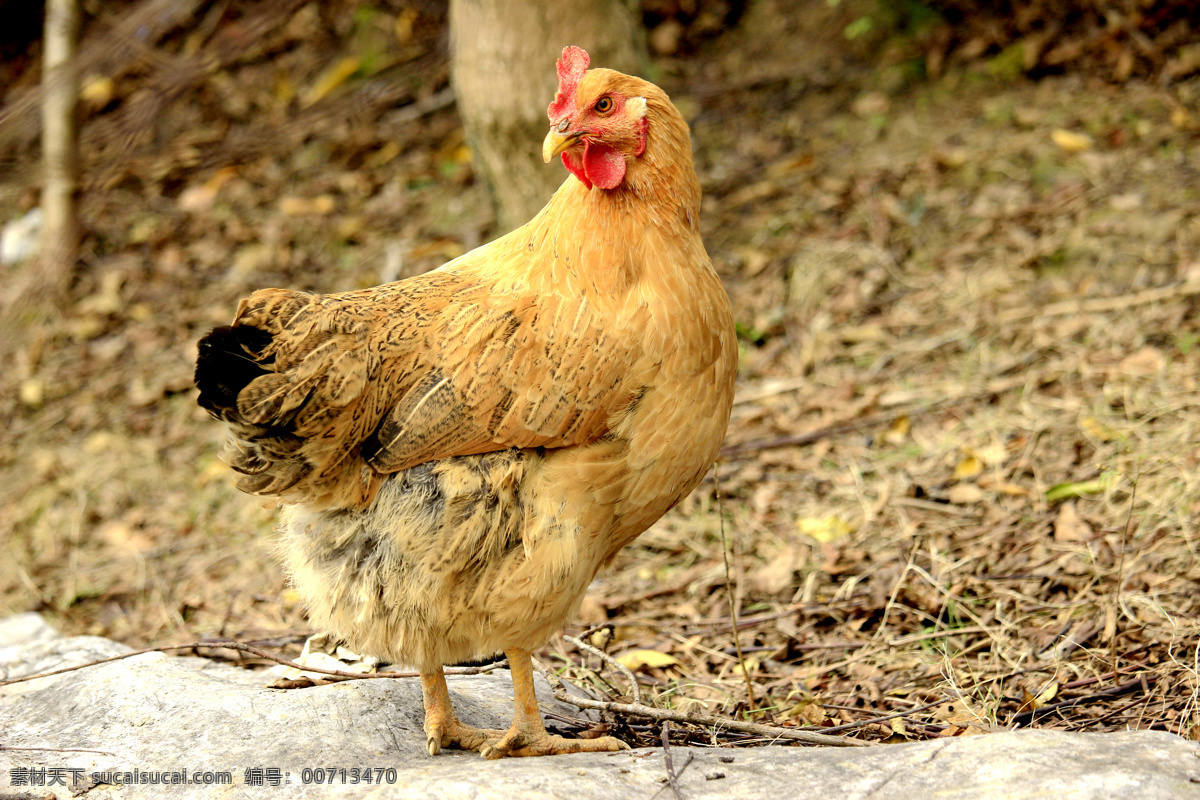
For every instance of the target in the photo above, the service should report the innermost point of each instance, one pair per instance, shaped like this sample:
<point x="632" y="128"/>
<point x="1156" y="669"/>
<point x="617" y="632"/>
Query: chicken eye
<point x="604" y="105"/>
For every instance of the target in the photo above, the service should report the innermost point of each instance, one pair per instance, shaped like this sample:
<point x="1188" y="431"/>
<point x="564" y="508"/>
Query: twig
<point x="426" y="105"/>
<point x="1116" y="595"/>
<point x="634" y="689"/>
<point x="737" y="639"/>
<point x="1074" y="701"/>
<point x="862" y="723"/>
<point x="1100" y="304"/>
<point x="911" y="638"/>
<point x="245" y="648"/>
<point x="672" y="778"/>
<point x="706" y="720"/>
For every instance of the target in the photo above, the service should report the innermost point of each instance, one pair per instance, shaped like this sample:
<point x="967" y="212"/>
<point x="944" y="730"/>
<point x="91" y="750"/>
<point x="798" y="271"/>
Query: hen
<point x="458" y="454"/>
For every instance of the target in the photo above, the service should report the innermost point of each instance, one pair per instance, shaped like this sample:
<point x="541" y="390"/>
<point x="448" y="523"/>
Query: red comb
<point x="571" y="66"/>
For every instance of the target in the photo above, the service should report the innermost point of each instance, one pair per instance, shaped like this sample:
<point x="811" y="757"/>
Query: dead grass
<point x="998" y="337"/>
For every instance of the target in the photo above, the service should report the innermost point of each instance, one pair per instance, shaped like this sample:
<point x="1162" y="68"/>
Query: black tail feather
<point x="229" y="358"/>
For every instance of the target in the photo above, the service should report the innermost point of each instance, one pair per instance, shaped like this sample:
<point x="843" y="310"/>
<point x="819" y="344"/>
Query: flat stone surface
<point x="157" y="712"/>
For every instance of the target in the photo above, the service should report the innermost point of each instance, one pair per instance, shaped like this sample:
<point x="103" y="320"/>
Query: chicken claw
<point x="527" y="736"/>
<point x="442" y="728"/>
<point x="522" y="743"/>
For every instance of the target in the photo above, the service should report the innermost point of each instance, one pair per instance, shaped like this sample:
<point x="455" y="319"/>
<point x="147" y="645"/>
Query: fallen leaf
<point x="1030" y="702"/>
<point x="1062" y="491"/>
<point x="993" y="455"/>
<point x="1004" y="487"/>
<point x="600" y="639"/>
<point x="403" y="26"/>
<point x="1069" y="527"/>
<point x="969" y="467"/>
<point x="331" y="79"/>
<point x="637" y="659"/>
<point x="898" y="431"/>
<point x="958" y="712"/>
<point x="776" y="575"/>
<point x="750" y="665"/>
<point x="199" y="198"/>
<point x="299" y="206"/>
<point x="823" y="529"/>
<point x="97" y="90"/>
<point x="965" y="494"/>
<point x="1145" y="362"/>
<point x="1100" y="431"/>
<point x="1071" y="142"/>
<point x="32" y="392"/>
<point x="1182" y="119"/>
<point x="107" y="297"/>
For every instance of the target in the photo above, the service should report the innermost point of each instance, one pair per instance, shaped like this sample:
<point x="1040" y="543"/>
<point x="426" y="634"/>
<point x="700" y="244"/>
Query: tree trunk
<point x="503" y="70"/>
<point x="41" y="282"/>
<point x="60" y="234"/>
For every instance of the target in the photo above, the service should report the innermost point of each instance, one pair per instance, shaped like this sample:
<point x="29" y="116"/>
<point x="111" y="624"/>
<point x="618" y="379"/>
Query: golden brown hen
<point x="458" y="453"/>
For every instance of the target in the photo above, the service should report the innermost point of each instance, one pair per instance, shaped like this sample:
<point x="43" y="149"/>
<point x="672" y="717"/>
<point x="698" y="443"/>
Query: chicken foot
<point x="528" y="736"/>
<point x="442" y="728"/>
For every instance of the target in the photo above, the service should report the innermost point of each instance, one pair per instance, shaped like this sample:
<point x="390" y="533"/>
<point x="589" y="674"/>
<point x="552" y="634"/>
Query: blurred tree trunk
<point x="43" y="280"/>
<point x="503" y="70"/>
<point x="60" y="236"/>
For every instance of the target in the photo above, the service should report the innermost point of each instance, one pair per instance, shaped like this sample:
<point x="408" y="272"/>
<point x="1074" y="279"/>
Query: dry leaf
<point x="107" y="297"/>
<point x="969" y="467"/>
<point x="331" y="79"/>
<point x="965" y="494"/>
<point x="823" y="529"/>
<point x="993" y="455"/>
<point x="299" y="206"/>
<point x="1030" y="702"/>
<point x="1071" y="142"/>
<point x="403" y="26"/>
<point x="898" y="431"/>
<point x="776" y="575"/>
<point x="637" y="659"/>
<point x="1143" y="363"/>
<point x="600" y="639"/>
<point x="958" y="712"/>
<point x="97" y="90"/>
<point x="1069" y="527"/>
<point x="1003" y="487"/>
<point x="32" y="392"/>
<point x="1095" y="429"/>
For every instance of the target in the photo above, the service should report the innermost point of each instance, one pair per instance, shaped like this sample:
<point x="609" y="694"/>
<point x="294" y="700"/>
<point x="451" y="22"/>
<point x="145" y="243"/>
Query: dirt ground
<point x="960" y="488"/>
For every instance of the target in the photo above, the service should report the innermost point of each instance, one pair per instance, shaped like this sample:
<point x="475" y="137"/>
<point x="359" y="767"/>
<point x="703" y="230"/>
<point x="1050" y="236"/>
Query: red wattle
<point x="605" y="167"/>
<point x="600" y="166"/>
<point x="576" y="167"/>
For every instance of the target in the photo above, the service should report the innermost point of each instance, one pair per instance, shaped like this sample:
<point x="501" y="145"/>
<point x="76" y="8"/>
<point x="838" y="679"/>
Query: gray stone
<point x="156" y="712"/>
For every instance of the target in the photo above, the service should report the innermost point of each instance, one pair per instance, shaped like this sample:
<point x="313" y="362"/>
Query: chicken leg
<point x="442" y="728"/>
<point x="527" y="736"/>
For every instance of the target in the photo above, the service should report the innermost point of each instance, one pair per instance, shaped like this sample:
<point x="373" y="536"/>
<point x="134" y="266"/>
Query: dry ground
<point x="964" y="460"/>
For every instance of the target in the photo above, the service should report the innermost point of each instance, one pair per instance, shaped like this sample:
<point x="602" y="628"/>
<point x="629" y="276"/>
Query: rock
<point x="169" y="714"/>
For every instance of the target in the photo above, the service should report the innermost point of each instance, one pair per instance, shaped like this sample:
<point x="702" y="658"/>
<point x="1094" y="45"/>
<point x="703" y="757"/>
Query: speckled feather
<point x="458" y="453"/>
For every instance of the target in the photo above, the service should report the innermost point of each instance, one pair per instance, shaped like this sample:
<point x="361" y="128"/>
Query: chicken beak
<point x="556" y="142"/>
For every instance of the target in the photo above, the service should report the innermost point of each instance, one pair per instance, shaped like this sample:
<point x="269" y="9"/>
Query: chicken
<point x="457" y="454"/>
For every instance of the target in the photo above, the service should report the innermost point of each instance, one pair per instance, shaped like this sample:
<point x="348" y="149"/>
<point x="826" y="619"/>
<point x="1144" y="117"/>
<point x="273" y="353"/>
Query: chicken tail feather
<point x="267" y="456"/>
<point x="229" y="358"/>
